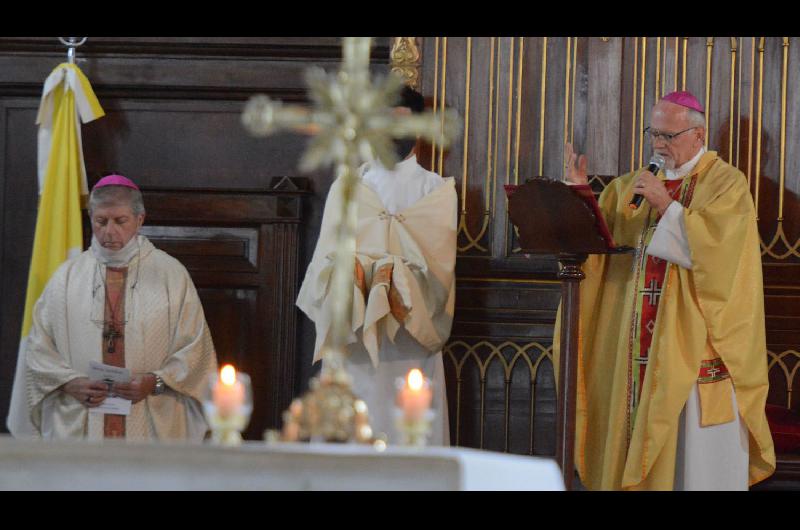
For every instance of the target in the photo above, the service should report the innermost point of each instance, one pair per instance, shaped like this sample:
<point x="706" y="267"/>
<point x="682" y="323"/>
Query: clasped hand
<point x="93" y="393"/>
<point x="139" y="387"/>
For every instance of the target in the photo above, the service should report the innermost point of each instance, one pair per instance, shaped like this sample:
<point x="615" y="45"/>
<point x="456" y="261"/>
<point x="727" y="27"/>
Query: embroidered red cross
<point x="653" y="291"/>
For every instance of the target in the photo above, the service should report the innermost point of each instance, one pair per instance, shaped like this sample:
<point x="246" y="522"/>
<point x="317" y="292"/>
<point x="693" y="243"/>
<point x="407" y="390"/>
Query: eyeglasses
<point x="667" y="137"/>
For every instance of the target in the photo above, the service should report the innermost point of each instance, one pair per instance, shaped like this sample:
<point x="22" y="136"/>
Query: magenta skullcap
<point x="115" y="180"/>
<point x="684" y="99"/>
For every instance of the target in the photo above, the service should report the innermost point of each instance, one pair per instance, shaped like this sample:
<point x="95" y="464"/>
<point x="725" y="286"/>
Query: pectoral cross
<point x="110" y="334"/>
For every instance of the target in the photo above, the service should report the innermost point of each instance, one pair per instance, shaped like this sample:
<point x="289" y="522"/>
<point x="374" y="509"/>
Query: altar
<point x="114" y="466"/>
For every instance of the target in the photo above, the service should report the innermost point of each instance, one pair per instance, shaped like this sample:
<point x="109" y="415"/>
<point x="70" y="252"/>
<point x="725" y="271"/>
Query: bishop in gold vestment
<point x="708" y="336"/>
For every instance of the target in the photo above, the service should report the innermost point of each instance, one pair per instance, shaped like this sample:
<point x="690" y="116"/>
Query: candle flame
<point x="415" y="379"/>
<point x="228" y="374"/>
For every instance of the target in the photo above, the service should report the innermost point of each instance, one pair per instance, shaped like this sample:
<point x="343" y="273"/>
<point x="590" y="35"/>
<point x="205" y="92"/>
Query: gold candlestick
<point x="227" y="404"/>
<point x="413" y="417"/>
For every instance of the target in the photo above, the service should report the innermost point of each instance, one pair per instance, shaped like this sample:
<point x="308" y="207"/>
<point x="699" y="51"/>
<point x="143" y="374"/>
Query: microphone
<point x="656" y="163"/>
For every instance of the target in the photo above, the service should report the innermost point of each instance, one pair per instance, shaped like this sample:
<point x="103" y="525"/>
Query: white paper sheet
<point x="110" y="374"/>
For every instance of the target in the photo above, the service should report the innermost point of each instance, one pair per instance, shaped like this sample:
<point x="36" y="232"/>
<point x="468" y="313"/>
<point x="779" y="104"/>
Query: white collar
<point x="408" y="163"/>
<point x="116" y="258"/>
<point x="685" y="169"/>
<point x="400" y="167"/>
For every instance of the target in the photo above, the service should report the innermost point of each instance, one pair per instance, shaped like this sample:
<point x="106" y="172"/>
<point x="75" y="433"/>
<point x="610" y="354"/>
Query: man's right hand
<point x="575" y="166"/>
<point x="90" y="393"/>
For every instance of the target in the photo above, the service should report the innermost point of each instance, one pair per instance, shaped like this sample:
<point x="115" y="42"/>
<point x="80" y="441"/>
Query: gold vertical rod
<point x="486" y="186"/>
<point x="685" y="47"/>
<point x="483" y="389"/>
<point x="542" y="105"/>
<point x="444" y="87"/>
<point x="641" y="99"/>
<point x="733" y="94"/>
<point x="567" y="73"/>
<point x="435" y="96"/>
<point x="750" y="124"/>
<point x="784" y="83"/>
<point x="466" y="129"/>
<point x="496" y="123"/>
<point x="658" y="68"/>
<point x="458" y="402"/>
<point x="519" y="109"/>
<point x="709" y="51"/>
<point x="507" y="408"/>
<point x="532" y="416"/>
<point x="574" y="77"/>
<point x="677" y="50"/>
<point x="739" y="103"/>
<point x="633" y="106"/>
<point x="760" y="103"/>
<point x="510" y="108"/>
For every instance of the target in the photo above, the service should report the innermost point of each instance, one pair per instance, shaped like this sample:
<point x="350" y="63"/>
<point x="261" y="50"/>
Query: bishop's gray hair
<point x="114" y="195"/>
<point x="696" y="119"/>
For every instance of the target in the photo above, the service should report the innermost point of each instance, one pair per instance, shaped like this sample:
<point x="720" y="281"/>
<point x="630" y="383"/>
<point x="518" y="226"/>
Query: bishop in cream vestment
<point x="404" y="286"/>
<point x="165" y="333"/>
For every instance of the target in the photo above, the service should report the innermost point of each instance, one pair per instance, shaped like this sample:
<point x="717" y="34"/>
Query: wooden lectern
<point x="554" y="219"/>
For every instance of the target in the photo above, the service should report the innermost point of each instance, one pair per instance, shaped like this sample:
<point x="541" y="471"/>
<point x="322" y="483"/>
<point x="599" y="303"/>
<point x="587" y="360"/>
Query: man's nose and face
<point x="669" y="118"/>
<point x="115" y="225"/>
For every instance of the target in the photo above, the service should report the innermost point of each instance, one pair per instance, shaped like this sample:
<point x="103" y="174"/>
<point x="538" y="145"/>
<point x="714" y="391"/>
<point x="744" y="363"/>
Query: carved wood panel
<point x="241" y="250"/>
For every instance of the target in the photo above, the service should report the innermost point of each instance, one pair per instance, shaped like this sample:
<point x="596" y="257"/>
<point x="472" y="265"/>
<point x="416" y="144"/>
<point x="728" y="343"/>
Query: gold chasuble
<point x="634" y="375"/>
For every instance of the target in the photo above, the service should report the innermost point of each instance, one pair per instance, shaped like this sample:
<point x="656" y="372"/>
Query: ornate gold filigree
<point x="404" y="58"/>
<point x="780" y="237"/>
<point x="789" y="374"/>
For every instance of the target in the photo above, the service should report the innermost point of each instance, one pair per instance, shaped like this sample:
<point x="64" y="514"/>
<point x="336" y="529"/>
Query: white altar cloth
<point x="114" y="465"/>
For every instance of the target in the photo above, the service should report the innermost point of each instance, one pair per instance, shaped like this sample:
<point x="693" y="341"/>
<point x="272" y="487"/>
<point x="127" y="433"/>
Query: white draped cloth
<point x="165" y="333"/>
<point x="404" y="286"/>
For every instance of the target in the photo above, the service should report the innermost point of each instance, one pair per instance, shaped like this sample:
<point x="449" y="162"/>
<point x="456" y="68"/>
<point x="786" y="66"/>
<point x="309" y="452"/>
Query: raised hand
<point x="574" y="166"/>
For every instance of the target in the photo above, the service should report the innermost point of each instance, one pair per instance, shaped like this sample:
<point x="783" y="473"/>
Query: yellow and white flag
<point x="67" y="100"/>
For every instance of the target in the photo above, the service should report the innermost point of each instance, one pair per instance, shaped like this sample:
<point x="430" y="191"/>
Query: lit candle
<point x="228" y="392"/>
<point x="415" y="396"/>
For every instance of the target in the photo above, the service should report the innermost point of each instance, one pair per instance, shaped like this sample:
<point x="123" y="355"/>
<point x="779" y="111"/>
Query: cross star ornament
<point x="352" y="121"/>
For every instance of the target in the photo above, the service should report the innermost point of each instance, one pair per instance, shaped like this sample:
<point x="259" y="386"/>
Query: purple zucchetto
<point x="684" y="99"/>
<point x="115" y="180"/>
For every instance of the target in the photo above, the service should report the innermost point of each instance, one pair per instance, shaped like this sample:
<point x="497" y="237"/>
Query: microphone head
<point x="658" y="161"/>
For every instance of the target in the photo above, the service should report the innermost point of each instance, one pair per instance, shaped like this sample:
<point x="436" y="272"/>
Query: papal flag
<point x="67" y="100"/>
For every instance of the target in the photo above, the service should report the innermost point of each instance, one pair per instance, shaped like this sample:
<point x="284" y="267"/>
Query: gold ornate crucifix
<point x="352" y="122"/>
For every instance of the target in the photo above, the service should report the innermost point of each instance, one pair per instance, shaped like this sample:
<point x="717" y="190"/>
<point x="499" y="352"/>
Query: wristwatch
<point x="160" y="386"/>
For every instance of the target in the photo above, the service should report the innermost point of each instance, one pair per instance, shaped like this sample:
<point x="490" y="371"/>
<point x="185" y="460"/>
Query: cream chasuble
<point x="700" y="323"/>
<point x="404" y="286"/>
<point x="165" y="333"/>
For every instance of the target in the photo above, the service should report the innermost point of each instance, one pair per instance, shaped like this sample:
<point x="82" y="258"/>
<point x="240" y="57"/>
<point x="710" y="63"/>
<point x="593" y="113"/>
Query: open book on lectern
<point x="559" y="219"/>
